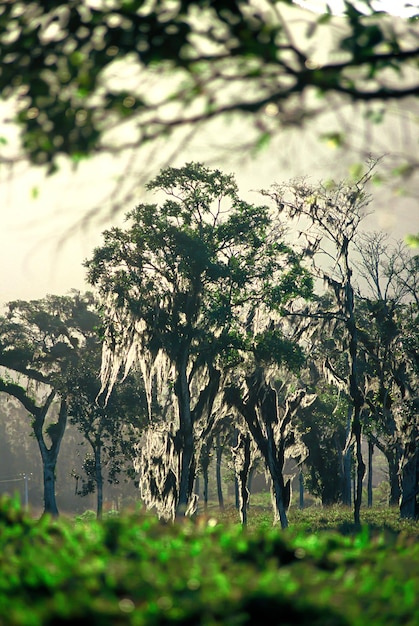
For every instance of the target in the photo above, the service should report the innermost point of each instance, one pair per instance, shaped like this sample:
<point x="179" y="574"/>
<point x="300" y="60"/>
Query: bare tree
<point x="328" y="218"/>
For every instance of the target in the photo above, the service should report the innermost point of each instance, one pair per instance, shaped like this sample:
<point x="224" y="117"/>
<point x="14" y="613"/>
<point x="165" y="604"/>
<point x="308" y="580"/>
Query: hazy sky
<point x="40" y="253"/>
<point x="396" y="7"/>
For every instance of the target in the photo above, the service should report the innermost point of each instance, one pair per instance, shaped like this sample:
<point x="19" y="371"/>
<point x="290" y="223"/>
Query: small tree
<point x="323" y="427"/>
<point x="40" y="341"/>
<point x="111" y="431"/>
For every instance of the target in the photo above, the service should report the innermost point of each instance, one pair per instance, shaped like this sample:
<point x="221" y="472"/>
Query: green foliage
<point x="57" y="59"/>
<point x="132" y="570"/>
<point x="189" y="290"/>
<point x="412" y="241"/>
<point x="324" y="425"/>
<point x="272" y="347"/>
<point x="192" y="269"/>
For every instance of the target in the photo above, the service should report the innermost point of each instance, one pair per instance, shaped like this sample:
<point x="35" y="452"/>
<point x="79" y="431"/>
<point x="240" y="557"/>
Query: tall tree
<point x="39" y="341"/>
<point x="174" y="287"/>
<point x="331" y="215"/>
<point x="387" y="321"/>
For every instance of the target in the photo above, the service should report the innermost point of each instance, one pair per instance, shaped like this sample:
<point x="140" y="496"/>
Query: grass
<point x="131" y="570"/>
<point x="316" y="518"/>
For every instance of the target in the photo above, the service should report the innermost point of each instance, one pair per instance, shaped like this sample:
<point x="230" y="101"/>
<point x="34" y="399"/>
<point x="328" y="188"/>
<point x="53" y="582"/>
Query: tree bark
<point x="49" y="455"/>
<point x="184" y="441"/>
<point x="409" y="481"/>
<point x="50" y="504"/>
<point x="205" y="476"/>
<point x="99" y="480"/>
<point x="301" y="489"/>
<point x="393" y="476"/>
<point x="218" y="457"/>
<point x="278" y="490"/>
<point x="241" y="455"/>
<point x="370" y="455"/>
<point x="354" y="385"/>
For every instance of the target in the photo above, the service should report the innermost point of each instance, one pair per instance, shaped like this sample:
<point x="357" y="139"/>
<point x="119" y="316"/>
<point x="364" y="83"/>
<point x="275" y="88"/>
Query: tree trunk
<point x="354" y="386"/>
<point x="370" y="454"/>
<point x="394" y="480"/>
<point x="250" y="479"/>
<point x="236" y="492"/>
<point x="347" y="467"/>
<point x="301" y="489"/>
<point x="205" y="476"/>
<point x="409" y="481"/>
<point x="50" y="504"/>
<point x="241" y="455"/>
<point x="98" y="480"/>
<point x="393" y="457"/>
<point x="49" y="455"/>
<point x="218" y="457"/>
<point x="184" y="442"/>
<point x="277" y="494"/>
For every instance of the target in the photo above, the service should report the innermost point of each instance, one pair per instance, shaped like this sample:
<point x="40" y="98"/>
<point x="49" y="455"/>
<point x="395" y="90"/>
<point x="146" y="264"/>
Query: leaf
<point x="334" y="139"/>
<point x="262" y="142"/>
<point x="76" y="157"/>
<point x="356" y="170"/>
<point x="34" y="193"/>
<point x="412" y="240"/>
<point x="405" y="170"/>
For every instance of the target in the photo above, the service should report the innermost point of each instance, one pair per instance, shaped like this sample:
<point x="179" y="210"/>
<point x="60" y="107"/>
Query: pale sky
<point x="395" y="7"/>
<point x="40" y="254"/>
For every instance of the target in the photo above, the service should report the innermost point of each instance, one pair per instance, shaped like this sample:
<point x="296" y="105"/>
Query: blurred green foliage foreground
<point x="133" y="570"/>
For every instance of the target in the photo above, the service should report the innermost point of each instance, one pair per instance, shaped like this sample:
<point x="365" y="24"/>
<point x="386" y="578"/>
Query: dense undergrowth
<point x="132" y="570"/>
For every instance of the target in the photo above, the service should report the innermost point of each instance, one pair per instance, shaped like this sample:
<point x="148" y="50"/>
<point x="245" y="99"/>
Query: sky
<point x="402" y="8"/>
<point x="42" y="252"/>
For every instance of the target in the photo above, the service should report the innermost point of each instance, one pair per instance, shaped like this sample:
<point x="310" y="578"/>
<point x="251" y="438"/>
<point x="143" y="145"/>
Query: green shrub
<point x="132" y="570"/>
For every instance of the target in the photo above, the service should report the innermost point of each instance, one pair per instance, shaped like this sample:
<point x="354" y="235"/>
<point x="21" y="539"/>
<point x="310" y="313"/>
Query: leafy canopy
<point x="188" y="277"/>
<point x="75" y="71"/>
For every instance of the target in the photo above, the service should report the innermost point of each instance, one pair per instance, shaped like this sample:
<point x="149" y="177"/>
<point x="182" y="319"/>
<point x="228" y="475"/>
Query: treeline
<point x="276" y="331"/>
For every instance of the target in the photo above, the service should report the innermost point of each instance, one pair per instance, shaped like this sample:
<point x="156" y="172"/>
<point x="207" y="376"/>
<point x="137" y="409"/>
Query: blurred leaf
<point x="334" y="139"/>
<point x="356" y="170"/>
<point x="412" y="240"/>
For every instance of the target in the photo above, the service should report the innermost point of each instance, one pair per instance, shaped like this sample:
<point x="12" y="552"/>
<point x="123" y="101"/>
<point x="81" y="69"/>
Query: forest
<point x="278" y="338"/>
<point x="210" y="332"/>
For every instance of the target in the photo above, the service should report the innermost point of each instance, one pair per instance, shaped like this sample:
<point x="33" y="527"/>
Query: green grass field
<point x="132" y="570"/>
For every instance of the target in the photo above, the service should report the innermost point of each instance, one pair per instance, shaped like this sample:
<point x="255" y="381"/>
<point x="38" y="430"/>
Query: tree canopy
<point x="188" y="287"/>
<point x="41" y="341"/>
<point x="76" y="72"/>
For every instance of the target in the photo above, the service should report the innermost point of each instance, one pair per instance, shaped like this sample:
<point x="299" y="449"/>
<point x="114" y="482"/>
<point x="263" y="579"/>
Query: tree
<point x="175" y="287"/>
<point x="39" y="341"/>
<point x="387" y="321"/>
<point x="273" y="431"/>
<point x="323" y="427"/>
<point x="60" y="61"/>
<point x="111" y="431"/>
<point x="333" y="214"/>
